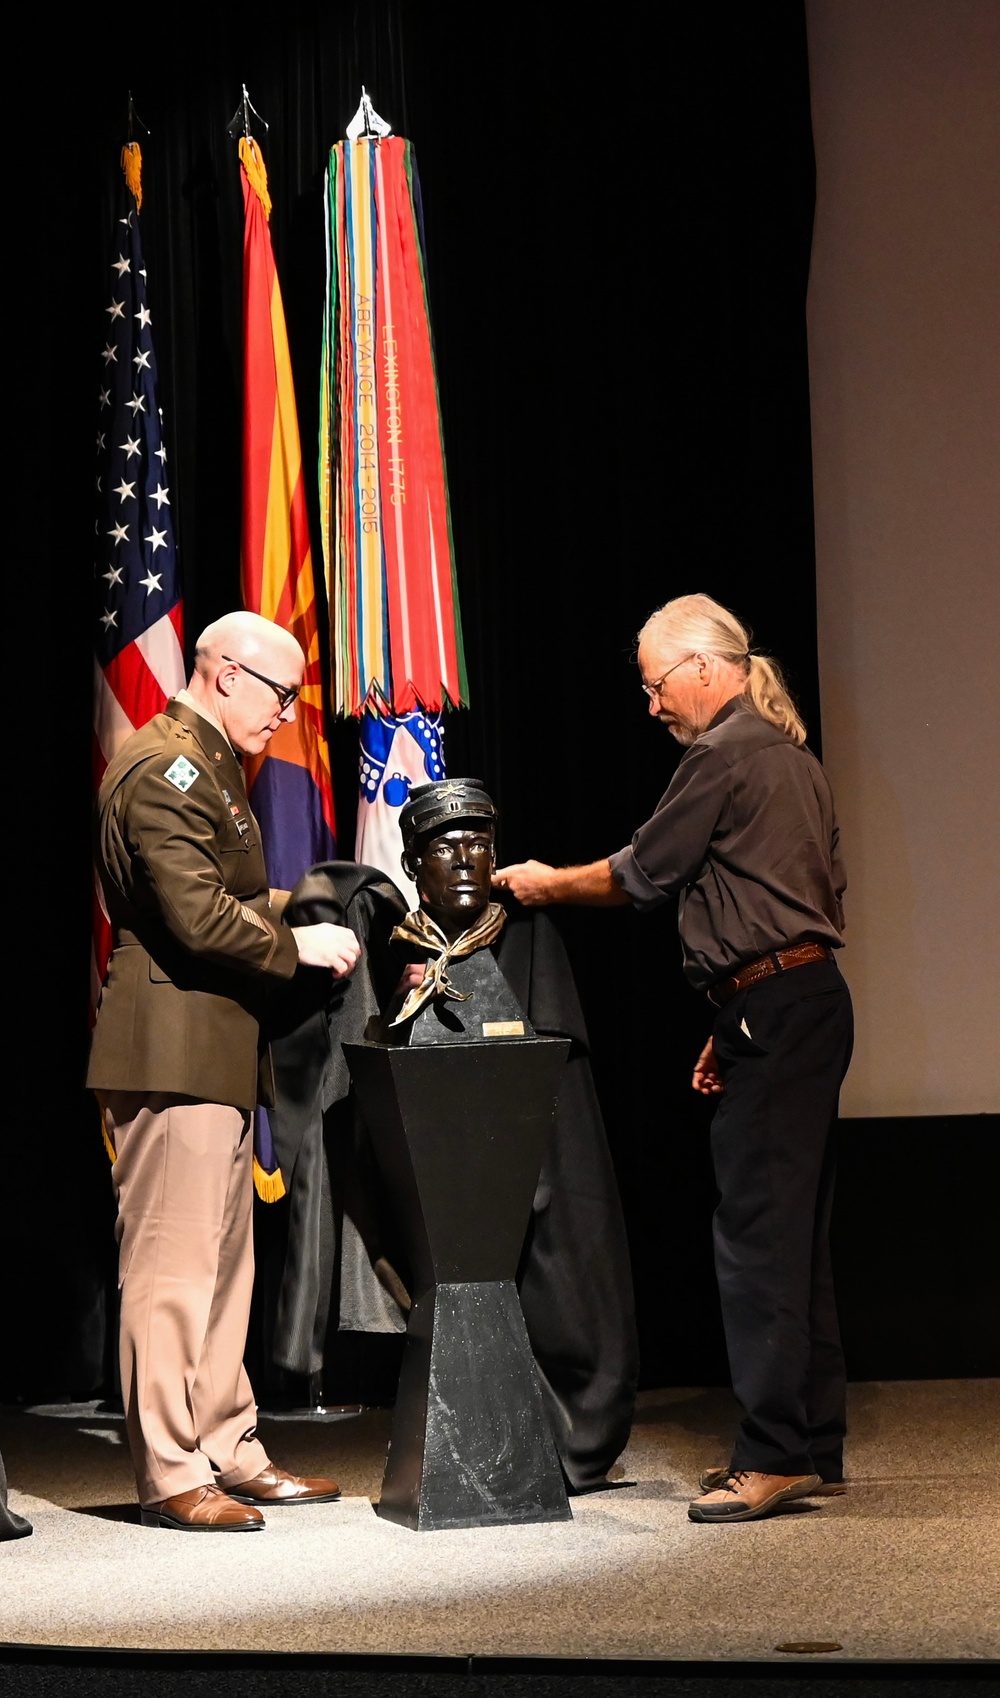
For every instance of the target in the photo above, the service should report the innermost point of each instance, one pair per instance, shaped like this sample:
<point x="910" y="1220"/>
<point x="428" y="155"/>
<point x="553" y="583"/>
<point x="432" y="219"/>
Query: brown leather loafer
<point x="206" y="1509"/>
<point x="713" y="1479"/>
<point x="273" y="1486"/>
<point x="747" y="1496"/>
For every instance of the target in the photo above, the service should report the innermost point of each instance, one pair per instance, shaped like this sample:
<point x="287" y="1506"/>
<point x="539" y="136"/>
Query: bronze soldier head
<point x="449" y="850"/>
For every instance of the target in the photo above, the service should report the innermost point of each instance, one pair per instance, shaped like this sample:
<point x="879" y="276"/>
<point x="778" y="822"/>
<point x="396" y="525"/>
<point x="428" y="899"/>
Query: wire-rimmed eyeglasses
<point x="653" y="690"/>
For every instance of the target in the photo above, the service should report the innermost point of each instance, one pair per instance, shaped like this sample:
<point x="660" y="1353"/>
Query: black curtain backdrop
<point x="618" y="220"/>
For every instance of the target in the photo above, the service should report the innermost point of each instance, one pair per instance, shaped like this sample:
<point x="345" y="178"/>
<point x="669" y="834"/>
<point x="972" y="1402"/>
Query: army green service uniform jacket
<point x="195" y="945"/>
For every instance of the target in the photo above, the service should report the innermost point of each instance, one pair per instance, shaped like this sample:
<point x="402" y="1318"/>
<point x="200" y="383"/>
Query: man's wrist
<point x="593" y="885"/>
<point x="560" y="882"/>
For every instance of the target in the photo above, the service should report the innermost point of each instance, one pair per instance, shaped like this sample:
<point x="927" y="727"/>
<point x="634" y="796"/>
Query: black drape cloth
<point x="11" y="1526"/>
<point x="574" y="1279"/>
<point x="325" y="1158"/>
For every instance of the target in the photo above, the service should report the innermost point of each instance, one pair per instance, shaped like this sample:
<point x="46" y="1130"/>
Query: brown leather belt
<point x="778" y="961"/>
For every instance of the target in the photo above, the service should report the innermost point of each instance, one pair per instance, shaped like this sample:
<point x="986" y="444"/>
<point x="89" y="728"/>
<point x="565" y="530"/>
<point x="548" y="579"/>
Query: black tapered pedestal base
<point x="459" y="1130"/>
<point x="472" y="1449"/>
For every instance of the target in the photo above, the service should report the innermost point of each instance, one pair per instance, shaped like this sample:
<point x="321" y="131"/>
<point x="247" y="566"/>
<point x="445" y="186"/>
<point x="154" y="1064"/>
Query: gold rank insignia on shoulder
<point x="182" y="774"/>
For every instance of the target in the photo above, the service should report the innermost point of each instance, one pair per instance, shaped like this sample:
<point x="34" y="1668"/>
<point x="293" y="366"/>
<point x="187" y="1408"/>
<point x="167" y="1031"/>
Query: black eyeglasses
<point x="286" y="693"/>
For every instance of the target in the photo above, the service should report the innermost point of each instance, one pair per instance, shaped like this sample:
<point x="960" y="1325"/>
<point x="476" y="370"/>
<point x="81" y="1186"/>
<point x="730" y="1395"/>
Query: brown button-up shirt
<point x="746" y="838"/>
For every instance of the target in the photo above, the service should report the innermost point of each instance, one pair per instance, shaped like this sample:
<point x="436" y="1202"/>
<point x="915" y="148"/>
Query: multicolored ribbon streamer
<point x="396" y="635"/>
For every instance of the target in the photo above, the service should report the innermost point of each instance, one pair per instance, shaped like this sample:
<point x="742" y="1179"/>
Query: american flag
<point x="138" y="629"/>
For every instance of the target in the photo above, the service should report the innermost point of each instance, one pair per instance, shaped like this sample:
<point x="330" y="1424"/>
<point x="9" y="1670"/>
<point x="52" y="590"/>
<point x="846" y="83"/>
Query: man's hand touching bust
<point x="534" y="884"/>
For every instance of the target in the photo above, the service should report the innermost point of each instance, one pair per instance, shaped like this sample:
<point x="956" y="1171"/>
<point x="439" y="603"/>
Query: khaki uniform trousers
<point x="183" y="1179"/>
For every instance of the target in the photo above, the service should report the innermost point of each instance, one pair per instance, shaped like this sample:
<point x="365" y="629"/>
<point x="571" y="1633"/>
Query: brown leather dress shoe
<point x="747" y="1496"/>
<point x="713" y="1479"/>
<point x="206" y="1509"/>
<point x="273" y="1486"/>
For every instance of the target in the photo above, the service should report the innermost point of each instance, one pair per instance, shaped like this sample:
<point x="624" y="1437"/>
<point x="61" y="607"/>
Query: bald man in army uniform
<point x="174" y="1064"/>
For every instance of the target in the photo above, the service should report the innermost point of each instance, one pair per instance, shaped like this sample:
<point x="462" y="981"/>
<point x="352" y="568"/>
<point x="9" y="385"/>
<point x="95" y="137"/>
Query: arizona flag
<point x="289" y="786"/>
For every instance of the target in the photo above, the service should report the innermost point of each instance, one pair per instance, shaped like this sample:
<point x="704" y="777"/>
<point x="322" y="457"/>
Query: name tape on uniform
<point x="182" y="773"/>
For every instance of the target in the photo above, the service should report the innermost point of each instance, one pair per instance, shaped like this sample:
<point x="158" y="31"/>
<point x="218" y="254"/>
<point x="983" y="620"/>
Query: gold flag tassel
<point x="270" y="1187"/>
<point x="253" y="164"/>
<point x="132" y="167"/>
<point x="108" y="1145"/>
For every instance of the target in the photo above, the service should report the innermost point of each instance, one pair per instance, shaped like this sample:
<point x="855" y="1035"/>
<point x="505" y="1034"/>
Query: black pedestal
<point x="459" y="1131"/>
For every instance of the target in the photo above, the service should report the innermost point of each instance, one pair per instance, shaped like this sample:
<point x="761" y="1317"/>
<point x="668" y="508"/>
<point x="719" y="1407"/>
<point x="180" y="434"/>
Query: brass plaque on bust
<point x="503" y="1028"/>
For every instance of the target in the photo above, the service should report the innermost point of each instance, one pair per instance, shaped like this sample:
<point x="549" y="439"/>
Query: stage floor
<point x="904" y="1566"/>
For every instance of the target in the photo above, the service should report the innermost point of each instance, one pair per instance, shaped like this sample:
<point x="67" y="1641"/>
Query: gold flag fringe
<point x="132" y="167"/>
<point x="253" y="165"/>
<point x="270" y="1187"/>
<point x="108" y="1145"/>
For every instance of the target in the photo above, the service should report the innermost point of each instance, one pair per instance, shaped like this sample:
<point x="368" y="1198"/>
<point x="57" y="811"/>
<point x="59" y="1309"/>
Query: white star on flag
<point x="144" y="316"/>
<point x="109" y="353"/>
<point x="142" y="359"/>
<point x="137" y="403"/>
<point x="113" y="575"/>
<point x="116" y="309"/>
<point x="125" y="490"/>
<point x="121" y="265"/>
<point x="158" y="539"/>
<point x="120" y="533"/>
<point x="161" y="454"/>
<point x="105" y="397"/>
<point x="152" y="580"/>
<point x="131" y="446"/>
<point x="160" y="495"/>
<point x="109" y="618"/>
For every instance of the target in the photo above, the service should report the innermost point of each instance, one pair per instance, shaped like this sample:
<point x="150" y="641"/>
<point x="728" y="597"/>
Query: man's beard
<point x="680" y="730"/>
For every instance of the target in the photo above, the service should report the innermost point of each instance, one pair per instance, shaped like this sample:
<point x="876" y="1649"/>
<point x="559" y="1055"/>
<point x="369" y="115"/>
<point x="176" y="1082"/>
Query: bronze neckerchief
<point x="418" y="928"/>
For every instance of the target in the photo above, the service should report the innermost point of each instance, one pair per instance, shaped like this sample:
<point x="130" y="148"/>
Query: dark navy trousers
<point x="782" y="1047"/>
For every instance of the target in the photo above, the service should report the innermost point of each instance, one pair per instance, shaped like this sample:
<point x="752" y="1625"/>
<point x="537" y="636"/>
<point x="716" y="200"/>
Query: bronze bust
<point x="449" y="851"/>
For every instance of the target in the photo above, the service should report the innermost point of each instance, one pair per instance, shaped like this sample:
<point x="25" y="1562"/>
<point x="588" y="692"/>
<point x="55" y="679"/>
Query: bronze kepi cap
<point x="445" y="802"/>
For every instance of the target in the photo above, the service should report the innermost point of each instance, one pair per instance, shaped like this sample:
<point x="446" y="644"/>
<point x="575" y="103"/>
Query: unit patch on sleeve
<point x="182" y="773"/>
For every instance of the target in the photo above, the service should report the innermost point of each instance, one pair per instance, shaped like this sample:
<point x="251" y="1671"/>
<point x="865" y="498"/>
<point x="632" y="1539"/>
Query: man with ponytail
<point x="746" y="840"/>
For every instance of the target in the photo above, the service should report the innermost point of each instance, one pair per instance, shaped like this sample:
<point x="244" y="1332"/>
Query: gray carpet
<point x="904" y="1567"/>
